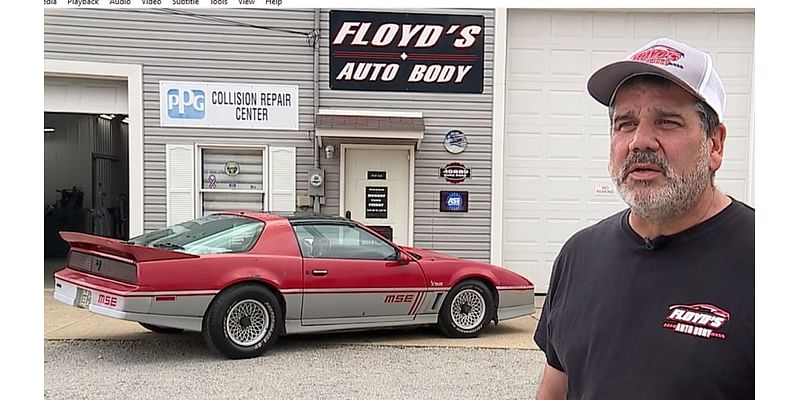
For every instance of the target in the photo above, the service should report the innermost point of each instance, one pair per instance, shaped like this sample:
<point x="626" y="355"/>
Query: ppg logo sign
<point x="186" y="104"/>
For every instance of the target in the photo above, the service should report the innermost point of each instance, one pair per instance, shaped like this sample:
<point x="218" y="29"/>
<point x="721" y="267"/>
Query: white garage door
<point x="556" y="139"/>
<point x="87" y="96"/>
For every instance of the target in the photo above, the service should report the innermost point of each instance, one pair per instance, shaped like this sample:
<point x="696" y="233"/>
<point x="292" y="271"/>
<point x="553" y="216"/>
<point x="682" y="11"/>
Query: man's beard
<point x="677" y="195"/>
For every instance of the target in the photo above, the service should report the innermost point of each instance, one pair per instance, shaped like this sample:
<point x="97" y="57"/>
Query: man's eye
<point x="666" y="123"/>
<point x="626" y="125"/>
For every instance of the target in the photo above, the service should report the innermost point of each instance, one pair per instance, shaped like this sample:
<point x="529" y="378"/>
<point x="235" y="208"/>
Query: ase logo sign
<point x="186" y="103"/>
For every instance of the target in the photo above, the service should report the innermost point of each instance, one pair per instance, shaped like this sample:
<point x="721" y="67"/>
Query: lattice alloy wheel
<point x="247" y="322"/>
<point x="243" y="320"/>
<point x="467" y="309"/>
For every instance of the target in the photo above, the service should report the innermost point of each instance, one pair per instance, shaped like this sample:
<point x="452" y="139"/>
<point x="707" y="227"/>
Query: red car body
<point x="308" y="291"/>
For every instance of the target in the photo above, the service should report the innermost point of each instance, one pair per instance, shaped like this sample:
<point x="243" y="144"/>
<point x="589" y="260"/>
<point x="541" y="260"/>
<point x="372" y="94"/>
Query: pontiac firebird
<point x="245" y="278"/>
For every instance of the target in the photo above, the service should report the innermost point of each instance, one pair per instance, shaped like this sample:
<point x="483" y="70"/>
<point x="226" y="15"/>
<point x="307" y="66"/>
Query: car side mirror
<point x="401" y="259"/>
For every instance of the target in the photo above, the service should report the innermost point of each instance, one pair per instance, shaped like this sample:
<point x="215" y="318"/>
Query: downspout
<point x="316" y="36"/>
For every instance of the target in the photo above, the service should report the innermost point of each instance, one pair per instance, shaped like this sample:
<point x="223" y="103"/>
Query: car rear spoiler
<point x="118" y="248"/>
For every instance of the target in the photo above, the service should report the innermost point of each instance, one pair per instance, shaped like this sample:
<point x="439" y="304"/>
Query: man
<point x="657" y="301"/>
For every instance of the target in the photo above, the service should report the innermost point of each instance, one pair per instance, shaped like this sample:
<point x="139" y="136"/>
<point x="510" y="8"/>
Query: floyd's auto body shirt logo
<point x="703" y="320"/>
<point x="406" y="52"/>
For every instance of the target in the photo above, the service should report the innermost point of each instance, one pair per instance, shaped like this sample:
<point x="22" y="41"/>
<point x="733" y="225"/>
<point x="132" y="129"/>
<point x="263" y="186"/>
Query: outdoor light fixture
<point x="329" y="151"/>
<point x="106" y="116"/>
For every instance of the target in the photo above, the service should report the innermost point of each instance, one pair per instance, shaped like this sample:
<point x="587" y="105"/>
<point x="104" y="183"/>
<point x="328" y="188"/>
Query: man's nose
<point x="644" y="137"/>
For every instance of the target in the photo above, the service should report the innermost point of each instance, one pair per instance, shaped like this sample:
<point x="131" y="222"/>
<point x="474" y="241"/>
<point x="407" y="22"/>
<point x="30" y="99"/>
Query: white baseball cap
<point x="688" y="67"/>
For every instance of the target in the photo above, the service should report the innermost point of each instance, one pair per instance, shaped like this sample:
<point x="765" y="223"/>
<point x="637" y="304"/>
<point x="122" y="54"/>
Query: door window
<point x="342" y="242"/>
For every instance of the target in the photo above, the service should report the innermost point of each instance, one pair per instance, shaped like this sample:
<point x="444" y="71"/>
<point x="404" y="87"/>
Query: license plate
<point x="83" y="298"/>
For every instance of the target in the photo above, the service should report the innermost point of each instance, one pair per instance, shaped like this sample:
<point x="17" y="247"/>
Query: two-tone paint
<point x="175" y="289"/>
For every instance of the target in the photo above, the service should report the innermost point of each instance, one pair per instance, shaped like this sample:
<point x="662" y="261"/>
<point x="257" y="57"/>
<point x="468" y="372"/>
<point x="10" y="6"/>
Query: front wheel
<point x="243" y="321"/>
<point x="466" y="310"/>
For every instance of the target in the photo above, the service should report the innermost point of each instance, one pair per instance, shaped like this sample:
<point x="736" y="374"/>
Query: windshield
<point x="207" y="235"/>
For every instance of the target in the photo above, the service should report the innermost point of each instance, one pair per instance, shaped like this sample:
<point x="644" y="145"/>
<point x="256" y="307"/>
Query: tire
<point x="160" y="329"/>
<point x="229" y="325"/>
<point x="467" y="309"/>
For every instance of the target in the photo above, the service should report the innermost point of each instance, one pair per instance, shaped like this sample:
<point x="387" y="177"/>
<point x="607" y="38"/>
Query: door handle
<point x="319" y="272"/>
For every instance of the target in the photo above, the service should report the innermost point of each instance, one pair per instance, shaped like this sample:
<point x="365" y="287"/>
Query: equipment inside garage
<point x="85" y="177"/>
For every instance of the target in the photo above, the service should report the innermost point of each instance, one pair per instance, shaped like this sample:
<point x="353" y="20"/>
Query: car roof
<point x="310" y="217"/>
<point x="291" y="216"/>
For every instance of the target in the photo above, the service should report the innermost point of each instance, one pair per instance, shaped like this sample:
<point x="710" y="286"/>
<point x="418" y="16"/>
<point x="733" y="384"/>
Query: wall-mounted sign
<point x="232" y="168"/>
<point x="376" y="202"/>
<point x="376" y="174"/>
<point x="453" y="201"/>
<point x="406" y="52"/>
<point x="229" y="105"/>
<point x="454" y="172"/>
<point x="455" y="141"/>
<point x="604" y="190"/>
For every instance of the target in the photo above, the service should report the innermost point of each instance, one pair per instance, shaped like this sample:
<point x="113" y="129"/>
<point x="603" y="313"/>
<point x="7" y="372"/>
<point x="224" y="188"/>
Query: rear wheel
<point x="243" y="321"/>
<point x="160" y="329"/>
<point x="466" y="310"/>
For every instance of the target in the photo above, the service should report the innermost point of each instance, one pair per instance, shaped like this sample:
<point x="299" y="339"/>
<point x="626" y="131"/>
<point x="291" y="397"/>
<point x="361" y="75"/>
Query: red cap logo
<point x="662" y="55"/>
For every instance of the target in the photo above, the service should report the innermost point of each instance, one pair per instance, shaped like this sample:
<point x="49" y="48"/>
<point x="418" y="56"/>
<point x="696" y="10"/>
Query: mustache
<point x="643" y="157"/>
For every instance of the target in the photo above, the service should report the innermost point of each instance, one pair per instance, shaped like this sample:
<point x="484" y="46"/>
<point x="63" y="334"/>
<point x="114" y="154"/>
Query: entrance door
<point x="376" y="189"/>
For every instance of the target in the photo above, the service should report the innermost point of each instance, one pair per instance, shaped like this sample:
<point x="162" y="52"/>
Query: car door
<point x="352" y="276"/>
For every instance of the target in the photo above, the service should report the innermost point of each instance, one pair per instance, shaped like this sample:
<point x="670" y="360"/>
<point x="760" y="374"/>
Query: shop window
<point x="204" y="179"/>
<point x="232" y="179"/>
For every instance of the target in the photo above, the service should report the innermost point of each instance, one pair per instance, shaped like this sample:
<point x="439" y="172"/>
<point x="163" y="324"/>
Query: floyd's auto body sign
<point x="406" y="52"/>
<point x="229" y="105"/>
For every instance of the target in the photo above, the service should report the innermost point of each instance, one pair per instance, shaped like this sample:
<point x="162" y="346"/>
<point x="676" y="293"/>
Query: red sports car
<point x="243" y="279"/>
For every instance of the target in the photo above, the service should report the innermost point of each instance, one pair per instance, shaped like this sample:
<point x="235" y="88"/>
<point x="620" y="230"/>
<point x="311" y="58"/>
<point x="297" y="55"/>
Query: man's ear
<point x="717" y="147"/>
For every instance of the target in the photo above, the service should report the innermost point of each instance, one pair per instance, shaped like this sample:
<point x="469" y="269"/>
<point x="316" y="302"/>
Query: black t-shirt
<point x="668" y="319"/>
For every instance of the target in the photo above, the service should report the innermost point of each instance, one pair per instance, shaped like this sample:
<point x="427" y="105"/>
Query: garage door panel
<point x="737" y="28"/>
<point x="567" y="104"/>
<point x="598" y="148"/>
<point x="93" y="96"/>
<point x="566" y="147"/>
<point x="563" y="189"/>
<point x="734" y="186"/>
<point x="517" y="66"/>
<point x="736" y="154"/>
<point x="610" y="26"/>
<point x="518" y="144"/>
<point x="646" y="27"/>
<point x="523" y="187"/>
<point x="557" y="137"/>
<point x="522" y="231"/>
<point x="734" y="65"/>
<point x="737" y="108"/>
<point x="568" y="63"/>
<point x="568" y="25"/>
<point x="600" y="58"/>
<point x="526" y="103"/>
<point x="692" y="28"/>
<point x="528" y="25"/>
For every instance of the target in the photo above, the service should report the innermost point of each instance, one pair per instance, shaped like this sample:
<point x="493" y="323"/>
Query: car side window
<point x="342" y="242"/>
